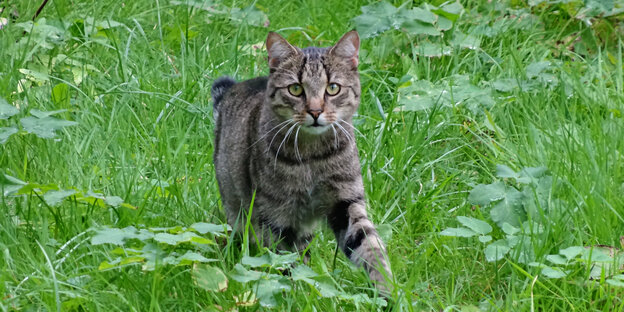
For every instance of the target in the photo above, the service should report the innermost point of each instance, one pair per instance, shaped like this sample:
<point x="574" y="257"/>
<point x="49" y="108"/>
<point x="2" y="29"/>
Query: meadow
<point x="491" y="138"/>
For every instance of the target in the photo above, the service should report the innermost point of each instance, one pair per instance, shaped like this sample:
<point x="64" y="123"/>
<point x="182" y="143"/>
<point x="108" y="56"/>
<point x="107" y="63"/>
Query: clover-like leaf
<point x="209" y="278"/>
<point x="496" y="250"/>
<point x="479" y="226"/>
<point x="458" y="232"/>
<point x="375" y="19"/>
<point x="7" y="110"/>
<point x="5" y="133"/>
<point x="53" y="198"/>
<point x="483" y="194"/>
<point x="509" y="209"/>
<point x="553" y="272"/>
<point x="45" y="127"/>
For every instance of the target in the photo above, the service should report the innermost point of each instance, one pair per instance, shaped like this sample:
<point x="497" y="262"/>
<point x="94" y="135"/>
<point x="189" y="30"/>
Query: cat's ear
<point x="278" y="49"/>
<point x="347" y="47"/>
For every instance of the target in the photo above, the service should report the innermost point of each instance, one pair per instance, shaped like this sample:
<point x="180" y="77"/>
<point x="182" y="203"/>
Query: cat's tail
<point x="219" y="87"/>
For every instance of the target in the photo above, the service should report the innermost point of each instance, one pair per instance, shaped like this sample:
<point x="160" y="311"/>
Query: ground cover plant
<point x="490" y="136"/>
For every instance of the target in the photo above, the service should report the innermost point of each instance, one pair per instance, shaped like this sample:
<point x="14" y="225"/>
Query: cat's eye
<point x="333" y="89"/>
<point x="295" y="89"/>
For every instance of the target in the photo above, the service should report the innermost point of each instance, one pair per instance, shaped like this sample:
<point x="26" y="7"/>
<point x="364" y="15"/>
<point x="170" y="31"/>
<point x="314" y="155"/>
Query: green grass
<point x="140" y="93"/>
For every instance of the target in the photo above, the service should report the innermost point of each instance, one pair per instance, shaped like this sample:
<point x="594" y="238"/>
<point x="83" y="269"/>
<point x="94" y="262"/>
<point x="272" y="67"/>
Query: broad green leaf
<point x="203" y="228"/>
<point x="209" y="277"/>
<point x="571" y="252"/>
<point x="478" y="226"/>
<point x="375" y="19"/>
<point x="503" y="171"/>
<point x="7" y="110"/>
<point x="303" y="273"/>
<point x="496" y="250"/>
<point x="451" y="11"/>
<point x="557" y="259"/>
<point x="555" y="272"/>
<point x="458" y="232"/>
<point x="114" y="201"/>
<point x="534" y="69"/>
<point x="242" y="275"/>
<point x="616" y="283"/>
<point x="185" y="237"/>
<point x="465" y="41"/>
<point x="270" y="259"/>
<point x="504" y="85"/>
<point x="53" y="198"/>
<point x="327" y="290"/>
<point x="421" y="15"/>
<point x="596" y="254"/>
<point x="509" y="229"/>
<point x="249" y="16"/>
<point x="39" y="114"/>
<point x="35" y="76"/>
<point x="5" y="133"/>
<point x="268" y="288"/>
<point x="192" y="257"/>
<point x="509" y="209"/>
<point x="529" y="174"/>
<point x="484" y="194"/>
<point x="60" y="95"/>
<point x="485" y="238"/>
<point x="429" y="49"/>
<point x="45" y="127"/>
<point x="414" y="27"/>
<point x="444" y="23"/>
<point x="113" y="235"/>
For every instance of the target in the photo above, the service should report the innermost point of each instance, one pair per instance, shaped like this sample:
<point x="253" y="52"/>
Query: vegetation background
<point x="490" y="134"/>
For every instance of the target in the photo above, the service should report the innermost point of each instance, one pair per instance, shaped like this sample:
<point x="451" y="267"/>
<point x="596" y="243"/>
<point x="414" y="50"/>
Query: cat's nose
<point x="315" y="113"/>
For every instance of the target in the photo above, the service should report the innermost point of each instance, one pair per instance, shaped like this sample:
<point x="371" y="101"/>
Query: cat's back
<point x="237" y="111"/>
<point x="239" y="98"/>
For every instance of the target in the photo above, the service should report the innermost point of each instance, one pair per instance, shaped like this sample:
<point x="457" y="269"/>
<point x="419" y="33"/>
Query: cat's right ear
<point x="278" y="49"/>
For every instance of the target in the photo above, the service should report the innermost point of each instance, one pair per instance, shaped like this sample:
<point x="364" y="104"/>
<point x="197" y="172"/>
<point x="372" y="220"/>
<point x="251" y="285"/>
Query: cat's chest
<point x="310" y="195"/>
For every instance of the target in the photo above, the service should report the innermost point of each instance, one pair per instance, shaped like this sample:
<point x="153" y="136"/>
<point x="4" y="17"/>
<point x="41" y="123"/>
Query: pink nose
<point x="315" y="113"/>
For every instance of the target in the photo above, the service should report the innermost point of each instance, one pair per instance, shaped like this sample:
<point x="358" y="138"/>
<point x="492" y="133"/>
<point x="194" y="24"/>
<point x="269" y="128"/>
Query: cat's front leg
<point x="358" y="239"/>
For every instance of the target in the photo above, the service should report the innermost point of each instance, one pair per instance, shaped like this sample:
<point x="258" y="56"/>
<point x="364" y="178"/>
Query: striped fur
<point x="301" y="168"/>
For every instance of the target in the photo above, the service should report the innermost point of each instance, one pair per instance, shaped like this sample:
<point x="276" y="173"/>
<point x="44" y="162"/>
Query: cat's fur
<point x="297" y="153"/>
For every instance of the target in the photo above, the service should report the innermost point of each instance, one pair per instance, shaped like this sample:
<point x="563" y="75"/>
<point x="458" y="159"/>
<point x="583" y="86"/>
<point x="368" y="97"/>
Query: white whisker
<point x="281" y="144"/>
<point x="273" y="138"/>
<point x="297" y="146"/>
<point x="335" y="136"/>
<point x="269" y="132"/>
<point x="351" y="140"/>
<point x="352" y="127"/>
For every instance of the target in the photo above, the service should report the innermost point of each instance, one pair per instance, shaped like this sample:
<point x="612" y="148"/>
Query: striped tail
<point x="218" y="90"/>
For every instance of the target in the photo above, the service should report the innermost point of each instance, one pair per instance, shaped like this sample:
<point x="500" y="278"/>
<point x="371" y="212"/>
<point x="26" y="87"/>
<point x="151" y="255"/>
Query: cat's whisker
<point x="281" y="144"/>
<point x="351" y="140"/>
<point x="335" y="136"/>
<point x="297" y="146"/>
<point x="350" y="125"/>
<point x="276" y="133"/>
<point x="269" y="132"/>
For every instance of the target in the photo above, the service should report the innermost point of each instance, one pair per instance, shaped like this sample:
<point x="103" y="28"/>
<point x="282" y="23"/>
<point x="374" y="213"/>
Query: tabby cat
<point x="287" y="142"/>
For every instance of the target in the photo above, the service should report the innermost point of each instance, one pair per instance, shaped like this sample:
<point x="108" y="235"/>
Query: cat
<point x="286" y="142"/>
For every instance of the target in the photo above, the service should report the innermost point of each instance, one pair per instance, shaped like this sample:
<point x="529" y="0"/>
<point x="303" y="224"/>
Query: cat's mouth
<point x="315" y="128"/>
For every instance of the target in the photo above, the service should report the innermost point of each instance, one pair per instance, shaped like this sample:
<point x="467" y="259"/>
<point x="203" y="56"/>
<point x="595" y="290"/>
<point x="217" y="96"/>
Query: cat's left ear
<point x="347" y="47"/>
<point x="278" y="49"/>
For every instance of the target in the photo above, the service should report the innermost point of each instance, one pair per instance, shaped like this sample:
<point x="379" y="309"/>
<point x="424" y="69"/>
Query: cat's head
<point x="315" y="87"/>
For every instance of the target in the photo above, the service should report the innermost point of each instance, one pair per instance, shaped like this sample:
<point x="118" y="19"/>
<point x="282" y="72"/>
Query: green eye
<point x="295" y="89"/>
<point x="333" y="89"/>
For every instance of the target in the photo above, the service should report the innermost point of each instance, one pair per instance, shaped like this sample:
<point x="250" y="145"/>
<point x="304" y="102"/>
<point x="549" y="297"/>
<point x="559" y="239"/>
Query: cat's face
<point x="318" y="88"/>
